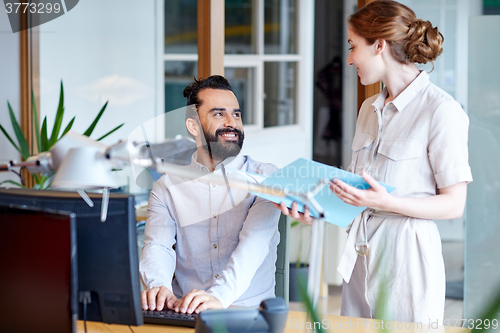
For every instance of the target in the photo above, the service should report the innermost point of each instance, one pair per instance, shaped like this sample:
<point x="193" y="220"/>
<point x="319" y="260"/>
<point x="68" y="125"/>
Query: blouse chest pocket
<point x="400" y="162"/>
<point x="400" y="149"/>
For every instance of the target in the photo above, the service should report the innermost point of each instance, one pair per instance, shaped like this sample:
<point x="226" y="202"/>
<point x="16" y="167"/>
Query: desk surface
<point x="296" y="323"/>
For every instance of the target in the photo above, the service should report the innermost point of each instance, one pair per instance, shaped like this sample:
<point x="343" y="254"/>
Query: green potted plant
<point x="298" y="269"/>
<point x="43" y="140"/>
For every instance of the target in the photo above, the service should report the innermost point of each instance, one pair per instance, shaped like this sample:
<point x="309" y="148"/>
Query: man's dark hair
<point x="192" y="91"/>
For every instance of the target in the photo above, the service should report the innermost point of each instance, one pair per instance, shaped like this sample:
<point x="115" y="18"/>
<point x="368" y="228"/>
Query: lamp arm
<point x="6" y="166"/>
<point x="180" y="171"/>
<point x="9" y="168"/>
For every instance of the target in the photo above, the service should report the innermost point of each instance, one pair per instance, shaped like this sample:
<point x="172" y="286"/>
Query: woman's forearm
<point x="448" y="204"/>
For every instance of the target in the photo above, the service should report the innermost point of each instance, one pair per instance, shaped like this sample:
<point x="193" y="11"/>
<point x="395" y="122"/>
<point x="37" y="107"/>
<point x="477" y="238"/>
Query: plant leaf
<point x="12" y="182"/>
<point x="490" y="313"/>
<point x="43" y="134"/>
<point x="35" y="118"/>
<point x="58" y="120"/>
<point x="96" y="120"/>
<point x="68" y="127"/>
<point x="114" y="129"/>
<point x="23" y="144"/>
<point x="310" y="309"/>
<point x="9" y="138"/>
<point x="46" y="181"/>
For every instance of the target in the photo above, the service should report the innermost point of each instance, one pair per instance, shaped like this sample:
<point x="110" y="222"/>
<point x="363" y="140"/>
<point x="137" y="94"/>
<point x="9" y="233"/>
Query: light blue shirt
<point x="225" y="239"/>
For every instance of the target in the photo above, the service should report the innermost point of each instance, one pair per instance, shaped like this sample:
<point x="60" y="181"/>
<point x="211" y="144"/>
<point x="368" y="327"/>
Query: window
<point x="268" y="61"/>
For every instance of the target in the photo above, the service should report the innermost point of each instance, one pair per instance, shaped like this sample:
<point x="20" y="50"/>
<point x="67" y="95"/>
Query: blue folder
<point x="303" y="175"/>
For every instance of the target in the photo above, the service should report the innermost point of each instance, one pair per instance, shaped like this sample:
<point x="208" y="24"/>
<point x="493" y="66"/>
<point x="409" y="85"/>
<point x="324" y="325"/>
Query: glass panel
<point x="242" y="81"/>
<point x="280" y="92"/>
<point x="181" y="35"/>
<point x="239" y="30"/>
<point x="280" y="26"/>
<point x="178" y="75"/>
<point x="482" y="262"/>
<point x="449" y="52"/>
<point x="9" y="91"/>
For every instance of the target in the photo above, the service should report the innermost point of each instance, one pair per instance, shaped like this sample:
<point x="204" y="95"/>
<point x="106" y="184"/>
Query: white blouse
<point x="418" y="144"/>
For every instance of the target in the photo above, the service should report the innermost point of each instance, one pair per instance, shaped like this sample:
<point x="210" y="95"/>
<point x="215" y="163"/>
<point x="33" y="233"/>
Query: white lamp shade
<point x="70" y="141"/>
<point x="84" y="168"/>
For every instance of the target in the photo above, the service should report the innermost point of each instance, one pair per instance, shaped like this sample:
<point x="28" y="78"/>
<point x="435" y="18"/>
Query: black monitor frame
<point x="39" y="270"/>
<point x="108" y="266"/>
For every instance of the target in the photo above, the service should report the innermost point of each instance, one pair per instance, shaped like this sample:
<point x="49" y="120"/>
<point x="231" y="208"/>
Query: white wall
<point x="9" y="90"/>
<point x="102" y="50"/>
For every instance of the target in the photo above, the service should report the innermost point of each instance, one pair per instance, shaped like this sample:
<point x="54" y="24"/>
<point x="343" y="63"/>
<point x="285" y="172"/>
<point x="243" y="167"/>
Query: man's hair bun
<point x="187" y="91"/>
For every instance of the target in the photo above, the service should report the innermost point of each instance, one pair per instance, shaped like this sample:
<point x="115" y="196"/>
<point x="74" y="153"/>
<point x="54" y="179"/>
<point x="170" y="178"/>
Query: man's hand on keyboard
<point x="197" y="301"/>
<point x="157" y="298"/>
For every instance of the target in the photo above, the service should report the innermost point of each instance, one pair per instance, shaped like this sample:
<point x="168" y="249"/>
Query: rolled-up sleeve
<point x="157" y="263"/>
<point x="448" y="150"/>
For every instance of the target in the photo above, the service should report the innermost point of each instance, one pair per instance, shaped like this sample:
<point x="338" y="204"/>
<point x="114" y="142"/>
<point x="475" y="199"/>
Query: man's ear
<point x="193" y="127"/>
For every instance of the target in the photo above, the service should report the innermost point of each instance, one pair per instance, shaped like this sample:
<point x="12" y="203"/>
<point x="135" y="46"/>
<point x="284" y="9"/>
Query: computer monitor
<point x="108" y="266"/>
<point x="38" y="279"/>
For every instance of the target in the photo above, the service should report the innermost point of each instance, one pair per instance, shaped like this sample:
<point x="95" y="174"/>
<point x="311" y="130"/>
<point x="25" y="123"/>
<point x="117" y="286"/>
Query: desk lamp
<point x="80" y="164"/>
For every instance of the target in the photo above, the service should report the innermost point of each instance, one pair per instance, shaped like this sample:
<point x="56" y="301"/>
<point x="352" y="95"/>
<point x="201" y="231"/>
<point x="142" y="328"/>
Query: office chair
<point x="282" y="275"/>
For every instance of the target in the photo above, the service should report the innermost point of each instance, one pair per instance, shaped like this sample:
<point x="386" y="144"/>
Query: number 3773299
<point x="33" y="8"/>
<point x="477" y="324"/>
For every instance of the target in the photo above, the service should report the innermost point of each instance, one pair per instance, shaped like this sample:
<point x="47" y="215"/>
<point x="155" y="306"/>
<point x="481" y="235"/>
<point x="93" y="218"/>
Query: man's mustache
<point x="228" y="130"/>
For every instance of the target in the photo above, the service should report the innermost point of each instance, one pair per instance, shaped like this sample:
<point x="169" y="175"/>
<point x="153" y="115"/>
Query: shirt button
<point x="214" y="216"/>
<point x="213" y="185"/>
<point x="216" y="275"/>
<point x="215" y="246"/>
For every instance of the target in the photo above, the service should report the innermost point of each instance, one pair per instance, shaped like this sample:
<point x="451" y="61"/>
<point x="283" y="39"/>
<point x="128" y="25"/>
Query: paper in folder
<point x="303" y="175"/>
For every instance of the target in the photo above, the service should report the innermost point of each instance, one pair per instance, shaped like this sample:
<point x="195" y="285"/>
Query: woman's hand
<point x="301" y="217"/>
<point x="376" y="196"/>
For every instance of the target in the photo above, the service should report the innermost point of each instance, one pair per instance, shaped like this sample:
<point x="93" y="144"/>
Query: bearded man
<point x="220" y="242"/>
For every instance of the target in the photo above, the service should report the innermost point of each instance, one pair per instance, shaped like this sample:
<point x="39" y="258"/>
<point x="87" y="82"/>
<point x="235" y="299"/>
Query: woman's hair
<point x="411" y="40"/>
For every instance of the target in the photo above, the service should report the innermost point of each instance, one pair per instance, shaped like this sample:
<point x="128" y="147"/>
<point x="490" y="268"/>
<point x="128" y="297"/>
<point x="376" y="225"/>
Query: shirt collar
<point x="233" y="162"/>
<point x="406" y="96"/>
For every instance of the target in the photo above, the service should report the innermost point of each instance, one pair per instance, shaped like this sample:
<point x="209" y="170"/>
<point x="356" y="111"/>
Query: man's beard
<point x="218" y="150"/>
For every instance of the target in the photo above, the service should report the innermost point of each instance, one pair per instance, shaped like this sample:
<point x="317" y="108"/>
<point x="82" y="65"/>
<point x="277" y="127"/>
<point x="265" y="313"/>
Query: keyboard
<point x="169" y="317"/>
